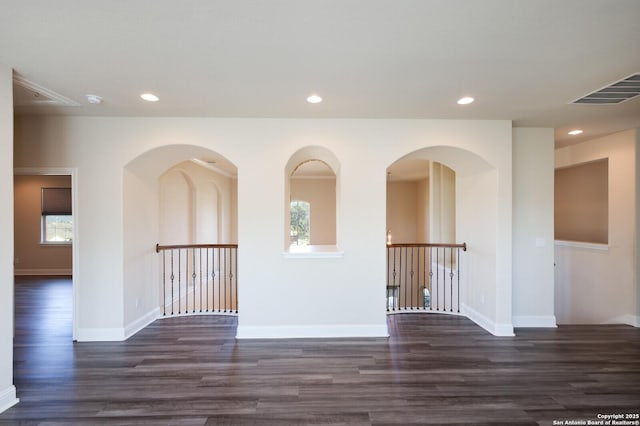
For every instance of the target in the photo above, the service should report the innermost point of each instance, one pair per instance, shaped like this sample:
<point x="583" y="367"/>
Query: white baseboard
<point x="311" y="331"/>
<point x="8" y="398"/>
<point x="117" y="334"/>
<point x="141" y="323"/>
<point x="541" y="321"/>
<point x="632" y="320"/>
<point x="43" y="272"/>
<point x="501" y="330"/>
<point x="100" y="334"/>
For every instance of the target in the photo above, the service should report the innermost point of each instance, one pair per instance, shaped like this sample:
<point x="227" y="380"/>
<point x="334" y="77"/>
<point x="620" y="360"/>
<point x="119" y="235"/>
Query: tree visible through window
<point x="300" y="232"/>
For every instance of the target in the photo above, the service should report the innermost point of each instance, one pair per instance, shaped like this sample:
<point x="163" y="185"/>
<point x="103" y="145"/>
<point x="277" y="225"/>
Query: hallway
<point x="434" y="369"/>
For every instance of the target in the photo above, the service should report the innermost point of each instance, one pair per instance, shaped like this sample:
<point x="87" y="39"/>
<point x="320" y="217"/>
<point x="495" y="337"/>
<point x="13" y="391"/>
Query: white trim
<point x="75" y="252"/>
<point x="531" y="321"/>
<point x="53" y="98"/>
<point x="310" y="331"/>
<point x="313" y="252"/>
<point x="632" y="320"/>
<point x="100" y="335"/>
<point x="213" y="168"/>
<point x="301" y="177"/>
<point x="141" y="322"/>
<point x="117" y="334"/>
<point x="43" y="272"/>
<point x="8" y="398"/>
<point x="424" y="311"/>
<point x="496" y="329"/>
<point x="579" y="244"/>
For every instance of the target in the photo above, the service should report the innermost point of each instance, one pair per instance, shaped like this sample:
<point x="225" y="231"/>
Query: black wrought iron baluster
<point x="172" y="281"/>
<point x="235" y="268"/>
<point x="179" y="281"/>
<point x="164" y="284"/>
<point x="424" y="275"/>
<point x="219" y="283"/>
<point x="393" y="290"/>
<point x="431" y="278"/>
<point x="224" y="274"/>
<point x="451" y="278"/>
<point x="458" y="274"/>
<point x="194" y="276"/>
<point x="412" y="276"/>
<point x="200" y="263"/>
<point x="389" y="269"/>
<point x="207" y="279"/>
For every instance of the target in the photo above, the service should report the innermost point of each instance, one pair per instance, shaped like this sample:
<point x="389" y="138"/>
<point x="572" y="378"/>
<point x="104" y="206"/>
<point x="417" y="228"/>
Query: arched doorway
<point x="179" y="195"/>
<point x="458" y="203"/>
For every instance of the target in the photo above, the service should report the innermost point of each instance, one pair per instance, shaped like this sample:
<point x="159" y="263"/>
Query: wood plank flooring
<point x="434" y="369"/>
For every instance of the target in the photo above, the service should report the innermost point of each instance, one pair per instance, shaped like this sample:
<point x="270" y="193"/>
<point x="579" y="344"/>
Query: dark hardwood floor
<point x="432" y="370"/>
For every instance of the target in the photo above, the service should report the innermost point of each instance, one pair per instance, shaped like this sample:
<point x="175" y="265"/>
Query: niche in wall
<point x="313" y="184"/>
<point x="312" y="177"/>
<point x="582" y="202"/>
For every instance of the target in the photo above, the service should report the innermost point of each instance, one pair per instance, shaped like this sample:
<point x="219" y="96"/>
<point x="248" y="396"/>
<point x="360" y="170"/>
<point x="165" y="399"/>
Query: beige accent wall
<point x="402" y="211"/>
<point x="582" y="202"/>
<point x="32" y="257"/>
<point x="598" y="283"/>
<point x="196" y="205"/>
<point x="321" y="195"/>
<point x="442" y="203"/>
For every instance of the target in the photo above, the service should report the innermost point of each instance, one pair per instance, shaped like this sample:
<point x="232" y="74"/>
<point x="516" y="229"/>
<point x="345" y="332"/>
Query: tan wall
<point x="321" y="194"/>
<point x="581" y="202"/>
<point x="31" y="257"/>
<point x="402" y="211"/>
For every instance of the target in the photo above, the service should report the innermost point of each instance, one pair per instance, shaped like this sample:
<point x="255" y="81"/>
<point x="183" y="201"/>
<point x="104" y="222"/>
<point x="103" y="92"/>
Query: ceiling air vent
<point x="615" y="93"/>
<point x="27" y="92"/>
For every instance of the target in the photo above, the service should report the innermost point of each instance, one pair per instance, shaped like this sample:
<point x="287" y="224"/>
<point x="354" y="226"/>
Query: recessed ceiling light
<point x="94" y="99"/>
<point x="314" y="99"/>
<point x="150" y="97"/>
<point x="575" y="132"/>
<point x="466" y="100"/>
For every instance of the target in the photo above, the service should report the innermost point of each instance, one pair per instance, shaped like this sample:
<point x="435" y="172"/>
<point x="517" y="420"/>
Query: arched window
<point x="312" y="184"/>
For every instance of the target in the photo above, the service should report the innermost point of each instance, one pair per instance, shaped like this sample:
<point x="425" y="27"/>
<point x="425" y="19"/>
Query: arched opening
<point x="439" y="197"/>
<point x="312" y="201"/>
<point x="179" y="195"/>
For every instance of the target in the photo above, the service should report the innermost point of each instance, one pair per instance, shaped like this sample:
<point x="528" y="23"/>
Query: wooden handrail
<point x="188" y="246"/>
<point x="463" y="246"/>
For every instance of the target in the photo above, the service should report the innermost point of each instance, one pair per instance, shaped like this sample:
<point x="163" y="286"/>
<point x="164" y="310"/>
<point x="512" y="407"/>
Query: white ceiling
<point x="522" y="60"/>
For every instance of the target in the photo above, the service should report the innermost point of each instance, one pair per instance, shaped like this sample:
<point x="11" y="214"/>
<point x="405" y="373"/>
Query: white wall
<point x="598" y="283"/>
<point x="533" y="248"/>
<point x="111" y="260"/>
<point x="7" y="390"/>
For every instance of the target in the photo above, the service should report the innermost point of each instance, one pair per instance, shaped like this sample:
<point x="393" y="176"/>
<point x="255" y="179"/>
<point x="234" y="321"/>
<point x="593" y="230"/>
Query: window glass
<point x="57" y="228"/>
<point x="300" y="223"/>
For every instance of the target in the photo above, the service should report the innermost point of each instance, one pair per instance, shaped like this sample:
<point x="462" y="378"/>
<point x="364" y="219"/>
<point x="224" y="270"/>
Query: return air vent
<point x="26" y="93"/>
<point x="615" y="93"/>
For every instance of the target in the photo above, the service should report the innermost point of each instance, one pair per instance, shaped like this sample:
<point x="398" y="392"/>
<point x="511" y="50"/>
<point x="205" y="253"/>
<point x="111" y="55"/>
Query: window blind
<point x="56" y="201"/>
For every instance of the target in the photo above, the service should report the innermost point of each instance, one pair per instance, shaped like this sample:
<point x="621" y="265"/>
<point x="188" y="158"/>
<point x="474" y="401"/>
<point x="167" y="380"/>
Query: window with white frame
<point x="57" y="218"/>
